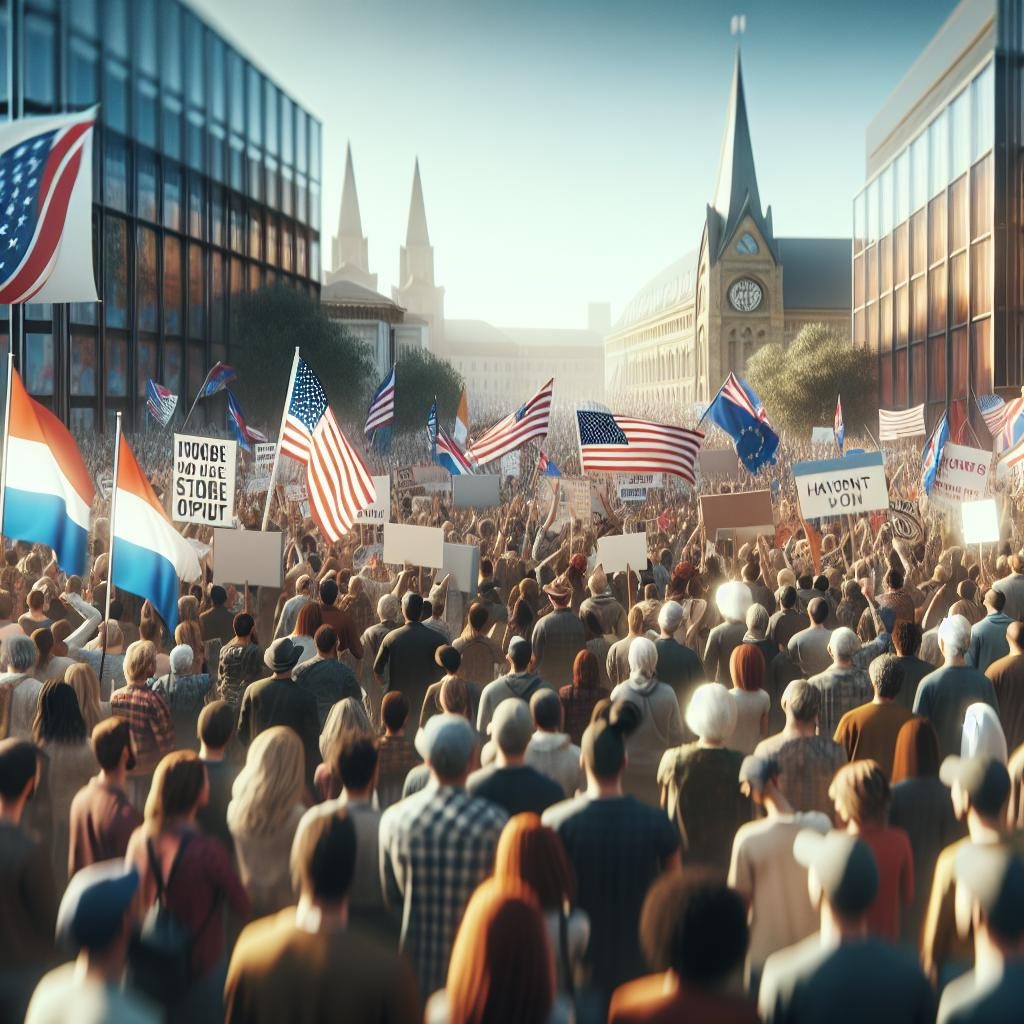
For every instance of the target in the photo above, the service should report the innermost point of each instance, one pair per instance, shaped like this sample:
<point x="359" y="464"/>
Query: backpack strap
<point x="154" y="865"/>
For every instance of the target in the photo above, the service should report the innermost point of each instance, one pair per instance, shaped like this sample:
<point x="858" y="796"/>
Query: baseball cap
<point x="95" y="903"/>
<point x="757" y="772"/>
<point x="843" y="864"/>
<point x="984" y="779"/>
<point x="994" y="876"/>
<point x="447" y="743"/>
<point x="512" y="726"/>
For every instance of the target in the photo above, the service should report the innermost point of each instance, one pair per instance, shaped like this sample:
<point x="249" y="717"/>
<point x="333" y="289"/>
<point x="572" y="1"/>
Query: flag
<point x="449" y="455"/>
<point x="894" y="424"/>
<point x="1013" y="461"/>
<point x="933" y="454"/>
<point x="461" y="431"/>
<point x="160" y="402"/>
<point x="1011" y="425"/>
<point x="47" y="489"/>
<point x="338" y="482"/>
<point x="838" y="426"/>
<point x="991" y="408"/>
<point x="432" y="425"/>
<point x="245" y="434"/>
<point x="46" y="209"/>
<point x="382" y="406"/>
<point x="622" y="444"/>
<point x="546" y="466"/>
<point x="149" y="555"/>
<point x="527" y="422"/>
<point x="743" y="418"/>
<point x="219" y="377"/>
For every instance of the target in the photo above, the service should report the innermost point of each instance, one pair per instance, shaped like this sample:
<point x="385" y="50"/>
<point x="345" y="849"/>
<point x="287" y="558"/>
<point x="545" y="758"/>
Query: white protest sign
<point x="257" y="484"/>
<point x="418" y="545"/>
<point x="634" y="486"/>
<point x="263" y="454"/>
<point x="963" y="475"/>
<point x="981" y="521"/>
<point x="251" y="556"/>
<point x="476" y="491"/>
<point x="462" y="562"/>
<point x="510" y="464"/>
<point x="296" y="492"/>
<point x="616" y="552"/>
<point x="823" y="435"/>
<point x="380" y="511"/>
<point x="834" y="487"/>
<point x="203" y="485"/>
<point x="577" y="493"/>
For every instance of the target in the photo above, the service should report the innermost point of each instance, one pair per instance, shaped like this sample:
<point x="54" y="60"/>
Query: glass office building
<point x="937" y="291"/>
<point x="206" y="179"/>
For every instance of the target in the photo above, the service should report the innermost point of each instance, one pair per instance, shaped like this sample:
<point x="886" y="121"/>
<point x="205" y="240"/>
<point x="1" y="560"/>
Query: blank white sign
<point x="247" y="555"/>
<point x="615" y="553"/>
<point x="981" y="521"/>
<point x="417" y="545"/>
<point x="475" y="491"/>
<point x="462" y="562"/>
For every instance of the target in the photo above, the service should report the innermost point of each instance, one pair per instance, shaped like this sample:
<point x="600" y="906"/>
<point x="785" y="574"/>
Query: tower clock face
<point x="745" y="295"/>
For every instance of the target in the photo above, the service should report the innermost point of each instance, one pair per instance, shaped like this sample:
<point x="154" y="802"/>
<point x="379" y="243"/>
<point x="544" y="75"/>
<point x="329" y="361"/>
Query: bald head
<point x="1015" y="636"/>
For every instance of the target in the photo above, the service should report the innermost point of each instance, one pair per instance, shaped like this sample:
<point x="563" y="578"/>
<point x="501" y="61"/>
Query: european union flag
<point x="734" y="412"/>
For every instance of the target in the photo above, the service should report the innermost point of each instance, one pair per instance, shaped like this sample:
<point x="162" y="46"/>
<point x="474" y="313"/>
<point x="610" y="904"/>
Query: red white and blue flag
<point x="1011" y="424"/>
<point x="246" y="435"/>
<point x="161" y="402"/>
<point x="382" y="407"/>
<point x="546" y="466"/>
<point x="838" y="426"/>
<point x="529" y="421"/>
<point x="991" y="407"/>
<point x="450" y="456"/>
<point x="932" y="457"/>
<point x="219" y="377"/>
<point x="623" y="444"/>
<point x="46" y="209"/>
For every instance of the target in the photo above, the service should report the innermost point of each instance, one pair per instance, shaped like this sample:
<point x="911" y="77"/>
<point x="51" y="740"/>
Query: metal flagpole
<point x="110" y="551"/>
<point x="7" y="434"/>
<point x="280" y="434"/>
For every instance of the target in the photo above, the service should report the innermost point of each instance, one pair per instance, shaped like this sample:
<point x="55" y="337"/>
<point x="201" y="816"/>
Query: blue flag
<point x="745" y="422"/>
<point x="933" y="454"/>
<point x="432" y="425"/>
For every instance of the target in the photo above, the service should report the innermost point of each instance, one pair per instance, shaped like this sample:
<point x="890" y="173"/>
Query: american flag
<point x="991" y="408"/>
<point x="338" y="482"/>
<point x="382" y="407"/>
<point x="1010" y="428"/>
<point x="894" y="424"/>
<point x="1013" y="460"/>
<point x="622" y="444"/>
<point x="449" y="455"/>
<point x="527" y="422"/>
<point x="160" y="402"/>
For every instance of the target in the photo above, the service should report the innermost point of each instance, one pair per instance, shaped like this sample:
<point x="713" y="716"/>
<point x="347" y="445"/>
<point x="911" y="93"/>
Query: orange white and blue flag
<point x="48" y="493"/>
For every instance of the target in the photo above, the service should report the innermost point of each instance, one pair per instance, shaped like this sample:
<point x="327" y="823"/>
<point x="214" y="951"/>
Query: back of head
<point x="58" y="717"/>
<point x="181" y="659"/>
<point x="917" y="751"/>
<point x="821" y="584"/>
<point x="546" y="709"/>
<point x="177" y="784"/>
<point x="886" y="675"/>
<point x="328" y="592"/>
<point x="218" y="596"/>
<point x="818" y="609"/>
<point x="388" y="608"/>
<point x="19" y="761"/>
<point x="603" y="745"/>
<point x="982" y="734"/>
<point x="309" y="620"/>
<point x="787" y="597"/>
<point x="43" y="639"/>
<point x="747" y="667"/>
<point x="478" y="615"/>
<point x="532" y="853"/>
<point x="19" y="654"/>
<point x="643" y="658"/>
<point x="512" y="726"/>
<point x="635" y="619"/>
<point x="394" y="710"/>
<point x="520" y="651"/>
<point x="757" y="621"/>
<point x="447" y="743"/>
<point x="243" y="624"/>
<point x="711" y="713"/>
<point x="323" y="857"/>
<point x="326" y="639"/>
<point x="995" y="600"/>
<point x="802" y="700"/>
<point x="355" y="760"/>
<point x="843" y="643"/>
<point x="906" y="638"/>
<point x="733" y="600"/>
<point x="139" y="661"/>
<point x="860" y="791"/>
<point x="894" y="579"/>
<point x="216" y="724"/>
<point x="412" y="606"/>
<point x="954" y="635"/>
<point x="670" y="616"/>
<point x="110" y="738"/>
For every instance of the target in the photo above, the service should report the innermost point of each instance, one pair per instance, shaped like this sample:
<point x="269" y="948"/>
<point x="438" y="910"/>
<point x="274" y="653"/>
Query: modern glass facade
<point x="206" y="183"/>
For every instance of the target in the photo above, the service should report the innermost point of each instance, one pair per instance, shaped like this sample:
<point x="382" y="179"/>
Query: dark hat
<point x="994" y="876"/>
<point x="95" y="903"/>
<point x="844" y="866"/>
<point x="984" y="779"/>
<point x="282" y="655"/>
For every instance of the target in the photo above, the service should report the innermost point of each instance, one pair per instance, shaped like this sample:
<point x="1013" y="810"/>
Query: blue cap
<point x="95" y="903"/>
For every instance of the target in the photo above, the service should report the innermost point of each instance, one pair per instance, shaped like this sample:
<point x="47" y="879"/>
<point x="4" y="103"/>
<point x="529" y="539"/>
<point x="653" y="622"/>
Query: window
<point x="958" y="214"/>
<point x="218" y="80"/>
<point x="272" y="253"/>
<point x="216" y="143"/>
<point x="983" y="113"/>
<point x="961" y="362"/>
<point x="981" y="347"/>
<point x="170" y="38"/>
<point x="937" y="300"/>
<point x="145" y="365"/>
<point x="981" y="277"/>
<point x="271" y="98"/>
<point x="116" y="27"/>
<point x="960" y="137"/>
<point x="938" y="154"/>
<point x="117" y="365"/>
<point x="314" y="149"/>
<point x="115" y="174"/>
<point x="901" y="187"/>
<point x="146" y="197"/>
<point x="937" y="369"/>
<point x="40" y="64"/>
<point x="146" y="299"/>
<point x="172" y="197"/>
<point x="287" y="131"/>
<point x="83" y="17"/>
<point x="174" y="296"/>
<point x="255" y="106"/>
<point x="917" y="377"/>
<point x="196" y="77"/>
<point x="217" y="304"/>
<point x="195" y="135"/>
<point x="196" y="292"/>
<point x="301" y="156"/>
<point x="747" y="245"/>
<point x="83" y="365"/>
<point x="919" y="171"/>
<point x="237" y="227"/>
<point x="918" y="309"/>
<point x="173" y="366"/>
<point x="937" y="230"/>
<point x="236" y="88"/>
<point x="196" y="192"/>
<point x="958" y="287"/>
<point x="172" y="127"/>
<point x="255" y="235"/>
<point x="39" y="364"/>
<point x="83" y="73"/>
<point x="83" y="420"/>
<point x="145" y="112"/>
<point x="981" y="198"/>
<point x="873" y="211"/>
<point x="885" y="199"/>
<point x="146" y="35"/>
<point x="115" y="96"/>
<point x="115" y="279"/>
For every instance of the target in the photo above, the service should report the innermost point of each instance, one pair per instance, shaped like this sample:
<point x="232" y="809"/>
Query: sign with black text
<point x="203" y="484"/>
<point x="834" y="487"/>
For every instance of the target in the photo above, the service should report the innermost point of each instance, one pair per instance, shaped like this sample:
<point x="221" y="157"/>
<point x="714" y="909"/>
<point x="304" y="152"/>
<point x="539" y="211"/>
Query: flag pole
<point x="7" y="434"/>
<point x="110" y="550"/>
<point x="199" y="395"/>
<point x="280" y="434"/>
<point x="713" y="400"/>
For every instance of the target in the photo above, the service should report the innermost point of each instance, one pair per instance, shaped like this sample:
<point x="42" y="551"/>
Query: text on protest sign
<point x="263" y="454"/>
<point x="962" y="476"/>
<point x="634" y="486"/>
<point x="835" y="487"/>
<point x="380" y="511"/>
<point x="203" y="486"/>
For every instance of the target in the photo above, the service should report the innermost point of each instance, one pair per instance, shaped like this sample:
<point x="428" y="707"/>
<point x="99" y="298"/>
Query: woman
<point x="500" y="968"/>
<point x="347" y="715"/>
<point x="699" y="616"/>
<point x="48" y="665"/>
<point x="747" y="668"/>
<point x="520" y="622"/>
<point x="104" y="654"/>
<point x="532" y="853"/>
<point x="194" y="877"/>
<point x="982" y="734"/>
<point x="153" y="631"/>
<point x="852" y="606"/>
<point x="310" y="619"/>
<point x="185" y="692"/>
<point x="190" y="630"/>
<point x="578" y="700"/>
<point x="700" y="781"/>
<point x="923" y="808"/>
<point x="266" y="805"/>
<point x="86" y="685"/>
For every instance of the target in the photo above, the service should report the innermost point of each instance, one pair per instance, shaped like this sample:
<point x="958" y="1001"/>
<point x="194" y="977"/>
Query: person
<point x="96" y="920"/>
<point x="388" y="612"/>
<point x="397" y="755"/>
<point x="992" y="881"/>
<point x="451" y="661"/>
<point x="521" y="682"/>
<point x="841" y="973"/>
<point x="480" y="654"/>
<point x="348" y="715"/>
<point x="678" y="665"/>
<point x="1007" y="677"/>
<point x="982" y="734"/>
<point x="784" y="624"/>
<point x="809" y="648"/>
<point x="28" y="909"/>
<point x="843" y="686"/>
<point x="240" y="662"/>
<point x="579" y="698"/>
<point x="733" y="601"/>
<point x="325" y="676"/>
<point x="694" y="933"/>
<point x="339" y="620"/>
<point x="988" y="637"/>
<point x="278" y="700"/>
<point x="189" y="630"/>
<point x="510" y="782"/>
<point x="86" y="684"/>
<point x="486" y="980"/>
<point x="895" y="598"/>
<point x="193" y="878"/>
<point x="215" y="729"/>
<point x="19" y="689"/>
<point x="944" y="695"/>
<point x="436" y="847"/>
<point x="106" y="653"/>
<point x="617" y="846"/>
<point x="550" y="750"/>
<point x="184" y="691"/>
<point x="306" y="962"/>
<point x="617" y="662"/>
<point x="217" y="622"/>
<point x="49" y="665"/>
<point x="36" y="617"/>
<point x="557" y="637"/>
<point x="1012" y="588"/>
<point x="747" y="669"/>
<point x="309" y="621"/>
<point x="611" y="616"/>
<point x="906" y="643"/>
<point x="294" y="604"/>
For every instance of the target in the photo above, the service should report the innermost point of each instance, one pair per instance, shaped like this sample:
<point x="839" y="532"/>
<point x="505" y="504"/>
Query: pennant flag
<point x="894" y="424"/>
<point x="46" y="209"/>
<point x="382" y="406"/>
<point x="48" y="492"/>
<point x="449" y="455"/>
<point x="432" y="425"/>
<point x="933" y="454"/>
<point x="991" y="409"/>
<point x="461" y="432"/>
<point x="546" y="466"/>
<point x="337" y="480"/>
<point x="527" y="422"/>
<point x="622" y="444"/>
<point x="744" y="419"/>
<point x="149" y="555"/>
<point x="838" y="426"/>
<point x="219" y="377"/>
<point x="243" y="432"/>
<point x="160" y="402"/>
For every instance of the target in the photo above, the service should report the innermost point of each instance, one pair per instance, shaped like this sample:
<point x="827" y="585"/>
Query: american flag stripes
<point x="382" y="407"/>
<point x="449" y="455"/>
<point x="1013" y="461"/>
<point x="991" y="408"/>
<point x="160" y="402"/>
<point x="527" y="422"/>
<point x="1011" y="426"/>
<point x="894" y="424"/>
<point x="622" y="444"/>
<point x="338" y="482"/>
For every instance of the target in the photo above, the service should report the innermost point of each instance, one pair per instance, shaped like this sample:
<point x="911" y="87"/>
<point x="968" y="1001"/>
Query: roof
<point x="674" y="285"/>
<point x="354" y="294"/>
<point x="815" y="273"/>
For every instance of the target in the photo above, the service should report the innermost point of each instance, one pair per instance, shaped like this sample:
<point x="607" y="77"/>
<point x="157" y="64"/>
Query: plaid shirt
<point x="436" y="847"/>
<point x="239" y="665"/>
<point x="842" y="690"/>
<point x="149" y="721"/>
<point x="807" y="765"/>
<point x="557" y="639"/>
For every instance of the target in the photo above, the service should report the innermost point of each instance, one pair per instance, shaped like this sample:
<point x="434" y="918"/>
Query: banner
<point x="835" y="487"/>
<point x="744" y="515"/>
<point x="577" y="492"/>
<point x="963" y="476"/>
<point x="380" y="511"/>
<point x="203" y="484"/>
<point x="263" y="454"/>
<point x="296" y="492"/>
<point x="905" y="519"/>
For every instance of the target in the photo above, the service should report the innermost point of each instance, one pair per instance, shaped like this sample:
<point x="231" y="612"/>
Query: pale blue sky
<point x="568" y="147"/>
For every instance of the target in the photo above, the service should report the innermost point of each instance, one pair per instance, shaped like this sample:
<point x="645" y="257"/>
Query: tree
<point x="799" y="384"/>
<point x="419" y="376"/>
<point x="265" y="328"/>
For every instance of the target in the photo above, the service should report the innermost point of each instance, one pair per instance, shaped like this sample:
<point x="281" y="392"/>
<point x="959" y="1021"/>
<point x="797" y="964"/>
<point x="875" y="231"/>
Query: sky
<point x="568" y="148"/>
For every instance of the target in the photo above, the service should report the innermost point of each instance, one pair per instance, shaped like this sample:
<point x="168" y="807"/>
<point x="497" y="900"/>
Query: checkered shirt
<point x="149" y="722"/>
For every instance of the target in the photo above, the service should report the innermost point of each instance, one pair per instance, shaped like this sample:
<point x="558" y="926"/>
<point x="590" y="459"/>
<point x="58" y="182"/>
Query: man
<point x="520" y="682"/>
<point x="759" y="593"/>
<point x="733" y="601"/>
<point x="396" y="755"/>
<point x="218" y="623"/>
<point x="510" y="782"/>
<point x="807" y="761"/>
<point x="757" y="633"/>
<point x="241" y="661"/>
<point x="1007" y="678"/>
<point x="550" y="750"/>
<point x="1012" y="587"/>
<point x="869" y="732"/>
<point x="649" y="607"/>
<point x="215" y="728"/>
<point x="292" y="607"/>
<point x="388" y="611"/>
<point x="339" y="620"/>
<point x="809" y="647"/>
<point x="7" y="627"/>
<point x="988" y="637"/>
<point x="895" y="597"/>
<point x="968" y="605"/>
<point x="678" y="665"/>
<point x="906" y="642"/>
<point x="436" y="847"/>
<point x="617" y="661"/>
<point x="610" y="614"/>
<point x="844" y="686"/>
<point x="480" y="654"/>
<point x="558" y="637"/>
<point x="992" y="882"/>
<point x="326" y="677"/>
<point x="19" y="689"/>
<point x="840" y="974"/>
<point x="102" y="817"/>
<point x="279" y="700"/>
<point x="784" y="624"/>
<point x="944" y="695"/>
<point x="407" y="656"/>
<point x="305" y="962"/>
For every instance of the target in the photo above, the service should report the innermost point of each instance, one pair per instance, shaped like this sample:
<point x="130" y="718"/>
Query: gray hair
<point x="711" y="713"/>
<point x="181" y="659"/>
<point x="733" y="600"/>
<point x="955" y="635"/>
<point x="643" y="658"/>
<point x="20" y="653"/>
<point x="757" y="620"/>
<point x="388" y="608"/>
<point x="843" y="643"/>
<point x="670" y="615"/>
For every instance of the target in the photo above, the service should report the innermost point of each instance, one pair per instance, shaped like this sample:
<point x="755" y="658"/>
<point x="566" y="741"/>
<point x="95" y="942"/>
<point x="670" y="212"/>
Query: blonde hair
<point x="860" y="792"/>
<point x="270" y="786"/>
<point x="347" y="715"/>
<point x="112" y="637"/>
<point x="86" y="684"/>
<point x="139" y="661"/>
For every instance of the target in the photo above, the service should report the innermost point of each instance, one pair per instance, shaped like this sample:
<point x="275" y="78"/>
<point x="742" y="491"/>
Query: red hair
<point x="586" y="674"/>
<point x="747" y="667"/>
<point x="532" y="853"/>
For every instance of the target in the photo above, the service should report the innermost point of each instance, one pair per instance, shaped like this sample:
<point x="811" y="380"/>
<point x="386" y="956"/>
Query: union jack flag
<point x="382" y="406"/>
<point x="530" y="420"/>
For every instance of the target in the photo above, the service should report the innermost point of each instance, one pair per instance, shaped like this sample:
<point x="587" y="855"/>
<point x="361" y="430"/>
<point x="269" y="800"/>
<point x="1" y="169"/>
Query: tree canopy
<point x="419" y="376"/>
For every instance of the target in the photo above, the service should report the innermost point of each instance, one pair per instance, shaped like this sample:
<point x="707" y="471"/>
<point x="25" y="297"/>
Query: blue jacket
<point x="988" y="641"/>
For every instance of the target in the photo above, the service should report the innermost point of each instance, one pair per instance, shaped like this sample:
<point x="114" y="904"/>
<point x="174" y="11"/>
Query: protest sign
<point x="259" y="484"/>
<point x="981" y="521"/>
<point x="462" y="562"/>
<point x="823" y="435"/>
<point x="296" y="492"/>
<point x="744" y="515"/>
<point x="203" y="484"/>
<point x="963" y="475"/>
<point x="510" y="464"/>
<point x="718" y="463"/>
<point x="380" y="511"/>
<point x="241" y="556"/>
<point x="634" y="486"/>
<point x="432" y="479"/>
<point x="834" y="487"/>
<point x="475" y="491"/>
<point x="364" y="555"/>
<point x="905" y="518"/>
<point x="263" y="454"/>
<point x="418" y="545"/>
<point x="616" y="552"/>
<point x="577" y="492"/>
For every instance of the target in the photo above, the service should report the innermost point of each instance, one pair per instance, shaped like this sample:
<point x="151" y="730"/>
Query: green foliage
<point x="265" y="328"/>
<point x="799" y="384"/>
<point x="418" y="378"/>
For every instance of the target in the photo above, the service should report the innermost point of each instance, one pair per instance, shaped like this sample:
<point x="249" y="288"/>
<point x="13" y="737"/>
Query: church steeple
<point x="416" y="233"/>
<point x="416" y="289"/>
<point x="350" y="248"/>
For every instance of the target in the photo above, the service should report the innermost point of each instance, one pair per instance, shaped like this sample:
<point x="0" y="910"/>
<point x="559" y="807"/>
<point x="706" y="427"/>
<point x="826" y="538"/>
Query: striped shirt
<point x="149" y="721"/>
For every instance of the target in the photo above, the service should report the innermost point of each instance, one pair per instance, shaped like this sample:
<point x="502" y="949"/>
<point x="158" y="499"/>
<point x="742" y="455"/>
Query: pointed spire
<point x="416" y="233"/>
<point x="349" y="222"/>
<point x="350" y="250"/>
